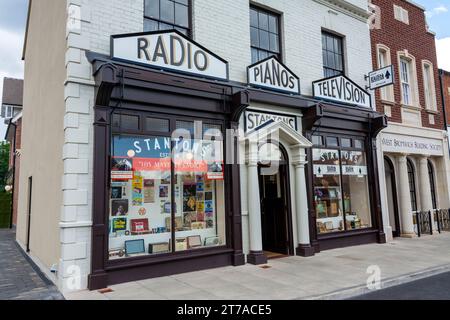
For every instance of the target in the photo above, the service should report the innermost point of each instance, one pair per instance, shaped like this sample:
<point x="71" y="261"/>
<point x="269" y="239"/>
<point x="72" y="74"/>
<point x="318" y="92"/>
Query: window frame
<point x="278" y="15"/>
<point x="340" y="39"/>
<point x="386" y="93"/>
<point x="429" y="86"/>
<point x="189" y="28"/>
<point x="433" y="189"/>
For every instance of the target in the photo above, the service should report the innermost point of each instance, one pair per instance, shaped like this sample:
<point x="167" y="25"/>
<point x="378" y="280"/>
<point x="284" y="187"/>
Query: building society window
<point x="412" y="185"/>
<point x="428" y="83"/>
<point x="167" y="192"/>
<point x="432" y="185"/>
<point x="264" y="34"/>
<point x="341" y="194"/>
<point x="333" y="55"/>
<point x="166" y="15"/>
<point x="405" y="77"/>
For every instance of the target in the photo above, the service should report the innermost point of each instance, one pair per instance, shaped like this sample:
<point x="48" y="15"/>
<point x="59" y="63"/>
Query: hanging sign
<point x="170" y="50"/>
<point x="271" y="74"/>
<point x="381" y="78"/>
<point x="343" y="90"/>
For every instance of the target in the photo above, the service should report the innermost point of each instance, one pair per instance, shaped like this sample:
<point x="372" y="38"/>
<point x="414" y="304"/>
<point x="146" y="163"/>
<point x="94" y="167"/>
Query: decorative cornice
<point x="347" y="8"/>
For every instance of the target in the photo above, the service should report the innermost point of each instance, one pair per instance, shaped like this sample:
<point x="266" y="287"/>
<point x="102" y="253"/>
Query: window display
<point x="157" y="186"/>
<point x="341" y="187"/>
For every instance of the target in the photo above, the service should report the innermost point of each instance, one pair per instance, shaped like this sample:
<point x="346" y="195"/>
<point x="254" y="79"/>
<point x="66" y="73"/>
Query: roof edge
<point x="24" y="49"/>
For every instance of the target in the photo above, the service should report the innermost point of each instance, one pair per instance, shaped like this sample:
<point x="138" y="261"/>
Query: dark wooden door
<point x="274" y="212"/>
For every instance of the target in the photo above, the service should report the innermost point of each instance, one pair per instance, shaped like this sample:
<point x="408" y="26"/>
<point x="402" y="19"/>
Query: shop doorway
<point x="391" y="191"/>
<point x="276" y="220"/>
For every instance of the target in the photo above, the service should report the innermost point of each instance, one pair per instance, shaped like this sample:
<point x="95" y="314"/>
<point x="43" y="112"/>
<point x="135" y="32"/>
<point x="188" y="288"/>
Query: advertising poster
<point x="121" y="168"/>
<point x="119" y="224"/>
<point x="149" y="191"/>
<point x="119" y="207"/>
<point x="137" y="187"/>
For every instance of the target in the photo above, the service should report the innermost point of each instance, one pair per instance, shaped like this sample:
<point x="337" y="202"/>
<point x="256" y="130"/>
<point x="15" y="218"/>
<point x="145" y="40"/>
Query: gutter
<point x="441" y="83"/>
<point x="13" y="175"/>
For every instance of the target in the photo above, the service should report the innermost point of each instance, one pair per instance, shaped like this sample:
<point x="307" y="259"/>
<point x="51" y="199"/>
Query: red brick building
<point x="414" y="157"/>
<point x="445" y="85"/>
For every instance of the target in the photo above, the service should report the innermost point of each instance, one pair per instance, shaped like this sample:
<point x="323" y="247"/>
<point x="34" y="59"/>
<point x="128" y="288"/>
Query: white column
<point x="424" y="185"/>
<point x="299" y="162"/>
<point x="256" y="255"/>
<point x="405" y="198"/>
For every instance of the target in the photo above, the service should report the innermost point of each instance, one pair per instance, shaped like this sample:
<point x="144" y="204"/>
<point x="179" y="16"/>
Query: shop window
<point x="412" y="185"/>
<point x="317" y="140"/>
<point x="432" y="185"/>
<point x="186" y="125"/>
<point x="264" y="34"/>
<point x="358" y="144"/>
<point x="333" y="55"/>
<point x="125" y="121"/>
<point x="166" y="15"/>
<point x="341" y="190"/>
<point x="346" y="143"/>
<point x="167" y="195"/>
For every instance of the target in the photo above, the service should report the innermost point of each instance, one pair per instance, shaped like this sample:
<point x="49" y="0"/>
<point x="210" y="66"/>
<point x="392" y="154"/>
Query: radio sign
<point x="381" y="78"/>
<point x="169" y="50"/>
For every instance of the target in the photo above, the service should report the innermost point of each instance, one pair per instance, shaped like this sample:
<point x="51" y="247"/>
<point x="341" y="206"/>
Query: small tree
<point x="4" y="163"/>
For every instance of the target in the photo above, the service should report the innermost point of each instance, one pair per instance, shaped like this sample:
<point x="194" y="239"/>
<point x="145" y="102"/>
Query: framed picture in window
<point x="134" y="247"/>
<point x="194" y="242"/>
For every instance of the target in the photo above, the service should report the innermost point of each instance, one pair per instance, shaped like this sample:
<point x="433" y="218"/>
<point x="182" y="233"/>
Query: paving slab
<point x="333" y="274"/>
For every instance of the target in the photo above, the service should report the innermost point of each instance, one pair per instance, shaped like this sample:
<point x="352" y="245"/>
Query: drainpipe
<point x="441" y="83"/>
<point x="14" y="176"/>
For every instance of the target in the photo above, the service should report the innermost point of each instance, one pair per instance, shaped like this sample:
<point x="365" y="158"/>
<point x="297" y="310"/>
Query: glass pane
<point x="346" y="143"/>
<point x="355" y="188"/>
<point x="253" y="18"/>
<point x="181" y="15"/>
<point x="330" y="60"/>
<point x="254" y="55"/>
<point x="182" y="30"/>
<point x="324" y="42"/>
<point x="200" y="195"/>
<point x="359" y="144"/>
<point x="127" y="122"/>
<point x="152" y="9"/>
<point x="263" y="21"/>
<point x="150" y="25"/>
<point x="264" y="40"/>
<point x="338" y="62"/>
<point x="330" y="43"/>
<point x="167" y="11"/>
<point x="185" y="2"/>
<point x="274" y="42"/>
<point x="165" y="26"/>
<point x="263" y="54"/>
<point x="332" y="142"/>
<point x="140" y="209"/>
<point x="327" y="191"/>
<point x="254" y="36"/>
<point x="187" y="125"/>
<point x="273" y="24"/>
<point x="317" y="140"/>
<point x="158" y="125"/>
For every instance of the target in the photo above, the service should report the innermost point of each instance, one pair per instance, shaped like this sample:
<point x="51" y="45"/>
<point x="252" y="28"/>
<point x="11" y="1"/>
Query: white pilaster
<point x="254" y="204"/>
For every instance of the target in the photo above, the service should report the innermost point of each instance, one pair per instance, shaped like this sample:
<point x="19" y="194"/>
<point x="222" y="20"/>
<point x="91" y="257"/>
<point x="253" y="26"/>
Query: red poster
<point x="151" y="164"/>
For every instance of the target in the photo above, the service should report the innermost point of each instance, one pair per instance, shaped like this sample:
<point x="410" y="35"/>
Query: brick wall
<point x="446" y="92"/>
<point x="420" y="43"/>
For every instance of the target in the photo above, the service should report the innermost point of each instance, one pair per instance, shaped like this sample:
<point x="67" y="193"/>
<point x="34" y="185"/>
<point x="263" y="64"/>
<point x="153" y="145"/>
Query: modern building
<point x="414" y="156"/>
<point x="159" y="124"/>
<point x="12" y="103"/>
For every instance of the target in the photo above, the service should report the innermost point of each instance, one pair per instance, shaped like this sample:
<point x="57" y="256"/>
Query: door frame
<point x="287" y="189"/>
<point x="397" y="233"/>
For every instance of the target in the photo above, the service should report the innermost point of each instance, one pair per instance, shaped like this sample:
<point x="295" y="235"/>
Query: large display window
<point x="167" y="192"/>
<point x="341" y="186"/>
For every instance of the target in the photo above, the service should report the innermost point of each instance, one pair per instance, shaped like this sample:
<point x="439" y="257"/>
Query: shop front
<point x="415" y="178"/>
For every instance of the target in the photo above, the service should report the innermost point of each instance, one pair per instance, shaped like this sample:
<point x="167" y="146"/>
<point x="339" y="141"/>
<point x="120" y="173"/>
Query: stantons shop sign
<point x="343" y="90"/>
<point x="169" y="50"/>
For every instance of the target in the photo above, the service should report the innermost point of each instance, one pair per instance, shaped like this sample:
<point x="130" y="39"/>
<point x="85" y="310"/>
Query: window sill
<point x="415" y="108"/>
<point x="431" y="111"/>
<point x="388" y="102"/>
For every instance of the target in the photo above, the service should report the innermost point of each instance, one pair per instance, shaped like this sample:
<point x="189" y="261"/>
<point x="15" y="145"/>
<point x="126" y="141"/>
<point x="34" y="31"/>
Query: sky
<point x="13" y="15"/>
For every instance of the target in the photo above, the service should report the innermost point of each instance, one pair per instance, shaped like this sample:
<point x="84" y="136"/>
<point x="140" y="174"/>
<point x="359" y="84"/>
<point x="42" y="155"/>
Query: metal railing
<point x="442" y="218"/>
<point x="424" y="222"/>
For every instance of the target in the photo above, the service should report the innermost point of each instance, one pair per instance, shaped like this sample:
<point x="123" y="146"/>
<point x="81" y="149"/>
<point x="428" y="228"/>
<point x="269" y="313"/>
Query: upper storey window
<point x="265" y="34"/>
<point x="333" y="55"/>
<point x="166" y="15"/>
<point x="401" y="14"/>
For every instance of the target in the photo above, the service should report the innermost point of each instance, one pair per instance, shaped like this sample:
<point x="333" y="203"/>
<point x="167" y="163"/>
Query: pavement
<point x="430" y="288"/>
<point x="330" y="275"/>
<point x="20" y="278"/>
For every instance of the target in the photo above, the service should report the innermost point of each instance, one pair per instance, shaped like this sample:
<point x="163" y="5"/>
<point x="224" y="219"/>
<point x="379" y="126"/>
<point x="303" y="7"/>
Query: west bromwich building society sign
<point x="343" y="90"/>
<point x="169" y="50"/>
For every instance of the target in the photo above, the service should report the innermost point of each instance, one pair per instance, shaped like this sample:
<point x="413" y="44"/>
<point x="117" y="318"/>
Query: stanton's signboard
<point x="256" y="119"/>
<point x="381" y="78"/>
<point x="169" y="50"/>
<point x="271" y="74"/>
<point x="341" y="89"/>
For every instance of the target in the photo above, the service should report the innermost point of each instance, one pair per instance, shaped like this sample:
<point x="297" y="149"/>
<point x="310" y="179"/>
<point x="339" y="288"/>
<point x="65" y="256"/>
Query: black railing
<point x="424" y="222"/>
<point x="443" y="220"/>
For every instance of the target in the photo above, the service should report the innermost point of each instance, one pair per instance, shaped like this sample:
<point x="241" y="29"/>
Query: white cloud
<point x="436" y="11"/>
<point x="11" y="64"/>
<point x="443" y="53"/>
